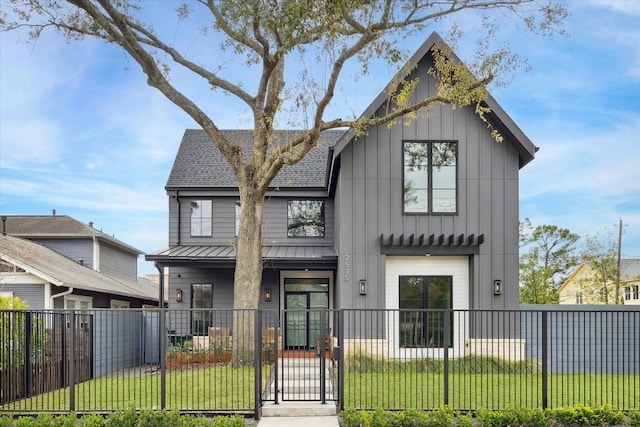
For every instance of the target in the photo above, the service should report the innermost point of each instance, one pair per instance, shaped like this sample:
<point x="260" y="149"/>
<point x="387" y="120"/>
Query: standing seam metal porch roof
<point x="228" y="253"/>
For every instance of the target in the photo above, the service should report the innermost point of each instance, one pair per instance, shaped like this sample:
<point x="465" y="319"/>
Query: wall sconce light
<point x="497" y="287"/>
<point x="267" y="295"/>
<point x="178" y="295"/>
<point x="362" y="287"/>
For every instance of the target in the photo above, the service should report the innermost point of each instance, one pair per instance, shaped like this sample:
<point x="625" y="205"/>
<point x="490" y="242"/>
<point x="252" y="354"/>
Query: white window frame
<point x="120" y="304"/>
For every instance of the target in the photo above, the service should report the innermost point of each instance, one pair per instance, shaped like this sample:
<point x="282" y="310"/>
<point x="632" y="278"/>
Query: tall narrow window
<point x="430" y="177"/>
<point x="424" y="304"/>
<point x="202" y="305"/>
<point x="237" y="218"/>
<point x="305" y="218"/>
<point x="201" y="217"/>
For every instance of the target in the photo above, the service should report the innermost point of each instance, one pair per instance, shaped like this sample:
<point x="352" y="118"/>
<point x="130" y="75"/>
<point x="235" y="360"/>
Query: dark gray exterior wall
<point x="118" y="262"/>
<point x="222" y="281"/>
<point x="369" y="195"/>
<point x="76" y="249"/>
<point x="224" y="226"/>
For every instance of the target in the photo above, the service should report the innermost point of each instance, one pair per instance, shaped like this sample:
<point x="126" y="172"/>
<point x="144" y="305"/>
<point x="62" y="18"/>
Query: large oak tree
<point x="268" y="37"/>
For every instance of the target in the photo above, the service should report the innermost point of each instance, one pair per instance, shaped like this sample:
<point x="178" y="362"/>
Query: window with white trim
<point x="116" y="303"/>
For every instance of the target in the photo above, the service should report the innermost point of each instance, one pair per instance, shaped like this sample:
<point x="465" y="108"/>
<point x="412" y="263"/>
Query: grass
<point x="370" y="383"/>
<point x="477" y="382"/>
<point x="213" y="388"/>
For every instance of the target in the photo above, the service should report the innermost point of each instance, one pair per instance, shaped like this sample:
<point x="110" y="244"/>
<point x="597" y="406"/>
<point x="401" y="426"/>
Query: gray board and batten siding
<point x="589" y="339"/>
<point x="369" y="201"/>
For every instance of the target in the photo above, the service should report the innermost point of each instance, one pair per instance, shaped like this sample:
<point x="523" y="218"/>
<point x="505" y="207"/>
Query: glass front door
<point x="306" y="305"/>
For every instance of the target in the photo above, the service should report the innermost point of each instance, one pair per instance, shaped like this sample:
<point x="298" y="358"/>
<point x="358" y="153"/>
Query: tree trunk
<point x="248" y="275"/>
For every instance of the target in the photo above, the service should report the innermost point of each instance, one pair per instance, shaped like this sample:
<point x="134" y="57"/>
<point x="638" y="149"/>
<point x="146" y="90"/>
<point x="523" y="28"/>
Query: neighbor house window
<point x="425" y="302"/>
<point x="79" y="303"/>
<point x="578" y="297"/>
<point x="201" y="217"/>
<point x="202" y="305"/>
<point x="430" y="177"/>
<point x="237" y="218"/>
<point x="305" y="218"/>
<point x="627" y="292"/>
<point x="636" y="291"/>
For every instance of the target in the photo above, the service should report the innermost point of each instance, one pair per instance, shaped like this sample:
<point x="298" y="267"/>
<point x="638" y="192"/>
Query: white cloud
<point x="629" y="7"/>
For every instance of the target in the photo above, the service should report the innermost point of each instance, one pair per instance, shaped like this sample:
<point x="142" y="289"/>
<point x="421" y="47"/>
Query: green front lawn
<point x="214" y="388"/>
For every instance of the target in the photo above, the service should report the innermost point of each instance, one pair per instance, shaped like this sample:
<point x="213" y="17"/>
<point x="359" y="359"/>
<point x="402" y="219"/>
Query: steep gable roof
<point x="57" y="226"/>
<point x="498" y="117"/>
<point x="59" y="270"/>
<point x="199" y="164"/>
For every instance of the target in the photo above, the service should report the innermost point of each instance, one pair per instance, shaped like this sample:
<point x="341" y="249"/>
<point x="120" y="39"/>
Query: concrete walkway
<point x="325" y="421"/>
<point x="300" y="379"/>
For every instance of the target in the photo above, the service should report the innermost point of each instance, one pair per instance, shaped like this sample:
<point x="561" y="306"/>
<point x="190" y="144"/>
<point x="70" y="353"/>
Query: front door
<point x="306" y="316"/>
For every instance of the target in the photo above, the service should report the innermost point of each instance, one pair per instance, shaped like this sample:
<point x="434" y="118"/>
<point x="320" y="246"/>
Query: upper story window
<point x="430" y="176"/>
<point x="578" y="297"/>
<point x="201" y="217"/>
<point x="305" y="218"/>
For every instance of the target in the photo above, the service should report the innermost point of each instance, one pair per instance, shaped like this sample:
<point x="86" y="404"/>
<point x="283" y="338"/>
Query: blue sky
<point x="80" y="132"/>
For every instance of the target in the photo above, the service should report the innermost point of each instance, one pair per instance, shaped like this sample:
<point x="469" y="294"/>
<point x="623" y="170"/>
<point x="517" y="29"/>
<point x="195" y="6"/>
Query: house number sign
<point x="347" y="267"/>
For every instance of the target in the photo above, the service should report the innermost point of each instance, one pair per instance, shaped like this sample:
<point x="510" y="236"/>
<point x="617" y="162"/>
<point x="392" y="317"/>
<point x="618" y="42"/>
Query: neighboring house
<point x="419" y="215"/>
<point x="56" y="262"/>
<point x="579" y="288"/>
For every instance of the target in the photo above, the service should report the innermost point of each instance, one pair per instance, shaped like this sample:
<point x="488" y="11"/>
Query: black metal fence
<point x="226" y="361"/>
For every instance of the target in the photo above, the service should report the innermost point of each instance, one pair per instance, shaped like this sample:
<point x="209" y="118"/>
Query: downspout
<point x="162" y="339"/>
<point x="61" y="294"/>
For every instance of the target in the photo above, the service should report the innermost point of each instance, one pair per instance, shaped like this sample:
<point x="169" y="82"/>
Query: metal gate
<point x="302" y="356"/>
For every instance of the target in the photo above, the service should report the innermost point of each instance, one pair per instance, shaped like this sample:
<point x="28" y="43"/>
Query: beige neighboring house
<point x="573" y="289"/>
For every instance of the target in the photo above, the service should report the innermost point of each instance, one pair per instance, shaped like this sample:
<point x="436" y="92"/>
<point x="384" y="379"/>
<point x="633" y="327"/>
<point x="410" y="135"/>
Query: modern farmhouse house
<point x="419" y="215"/>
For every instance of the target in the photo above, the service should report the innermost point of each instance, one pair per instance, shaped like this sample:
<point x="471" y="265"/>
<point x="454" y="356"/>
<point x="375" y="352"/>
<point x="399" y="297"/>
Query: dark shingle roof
<point x="57" y="227"/>
<point x="199" y="164"/>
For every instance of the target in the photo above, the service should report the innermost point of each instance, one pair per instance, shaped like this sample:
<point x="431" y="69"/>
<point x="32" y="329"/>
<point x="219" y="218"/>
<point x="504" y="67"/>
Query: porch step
<point x="298" y="389"/>
<point x="298" y="409"/>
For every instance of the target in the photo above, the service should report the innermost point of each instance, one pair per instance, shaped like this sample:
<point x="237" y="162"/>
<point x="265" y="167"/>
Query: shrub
<point x="126" y="418"/>
<point x="634" y="418"/>
<point x="92" y="420"/>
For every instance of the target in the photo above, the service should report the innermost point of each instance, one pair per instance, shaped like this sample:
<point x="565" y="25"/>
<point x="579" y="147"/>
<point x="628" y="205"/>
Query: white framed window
<point x="636" y="291"/>
<point x="238" y="211"/>
<point x="81" y="303"/>
<point x="116" y="303"/>
<point x="578" y="297"/>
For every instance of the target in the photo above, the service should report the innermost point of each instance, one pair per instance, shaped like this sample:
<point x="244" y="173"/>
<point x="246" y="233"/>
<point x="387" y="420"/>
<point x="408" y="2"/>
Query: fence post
<point x="340" y="331"/>
<point x="72" y="356"/>
<point x="544" y="359"/>
<point x="28" y="351"/>
<point x="323" y="360"/>
<point x="447" y="315"/>
<point x="257" y="362"/>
